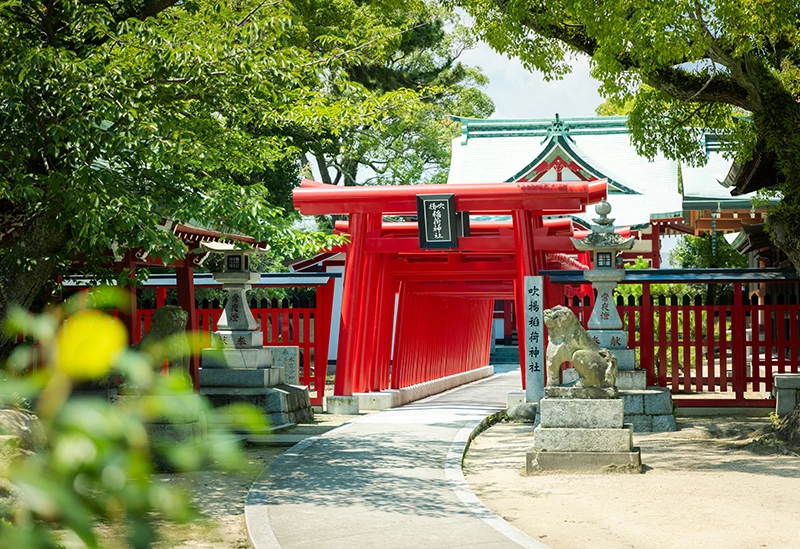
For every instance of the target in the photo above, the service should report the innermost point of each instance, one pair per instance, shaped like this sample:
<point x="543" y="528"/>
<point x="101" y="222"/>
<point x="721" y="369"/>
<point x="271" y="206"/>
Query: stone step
<point x="282" y="403"/>
<point x="504" y="355"/>
<point x="278" y="440"/>
<point x="257" y="357"/>
<point x="644" y="423"/>
<point x="626" y="358"/>
<point x="631" y="380"/>
<point x="558" y="439"/>
<point x="241" y="377"/>
<point x="510" y="350"/>
<point x="651" y="401"/>
<point x="581" y="413"/>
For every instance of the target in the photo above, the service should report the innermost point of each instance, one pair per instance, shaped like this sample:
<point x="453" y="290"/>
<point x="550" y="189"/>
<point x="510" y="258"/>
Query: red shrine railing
<point x="720" y="351"/>
<point x="284" y="324"/>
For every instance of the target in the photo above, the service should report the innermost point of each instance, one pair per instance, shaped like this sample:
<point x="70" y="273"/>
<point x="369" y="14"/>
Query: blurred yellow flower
<point x="89" y="344"/>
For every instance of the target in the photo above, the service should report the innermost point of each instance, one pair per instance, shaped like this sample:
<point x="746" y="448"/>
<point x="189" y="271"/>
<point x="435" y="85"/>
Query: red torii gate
<point x="385" y="259"/>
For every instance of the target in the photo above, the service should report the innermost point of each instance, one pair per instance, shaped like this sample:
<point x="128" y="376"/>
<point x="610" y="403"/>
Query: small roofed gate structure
<point x="444" y="296"/>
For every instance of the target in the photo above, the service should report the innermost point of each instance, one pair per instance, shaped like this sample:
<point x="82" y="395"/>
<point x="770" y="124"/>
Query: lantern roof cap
<point x="224" y="247"/>
<point x="603" y="236"/>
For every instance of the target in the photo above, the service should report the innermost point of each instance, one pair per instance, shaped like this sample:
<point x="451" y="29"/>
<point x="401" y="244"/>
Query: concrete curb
<point x="455" y="477"/>
<point x="256" y="517"/>
<point x="384" y="400"/>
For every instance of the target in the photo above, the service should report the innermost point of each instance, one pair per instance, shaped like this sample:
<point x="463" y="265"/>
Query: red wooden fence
<point x="282" y="327"/>
<point x="711" y="354"/>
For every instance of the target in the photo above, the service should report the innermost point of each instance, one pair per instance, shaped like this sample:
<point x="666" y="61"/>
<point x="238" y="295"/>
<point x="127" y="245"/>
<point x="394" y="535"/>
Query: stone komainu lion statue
<point x="166" y="338"/>
<point x="569" y="342"/>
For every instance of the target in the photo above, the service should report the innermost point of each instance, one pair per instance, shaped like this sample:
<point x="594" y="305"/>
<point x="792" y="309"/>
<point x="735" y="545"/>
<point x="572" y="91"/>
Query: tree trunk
<point x="779" y="126"/>
<point x="27" y="267"/>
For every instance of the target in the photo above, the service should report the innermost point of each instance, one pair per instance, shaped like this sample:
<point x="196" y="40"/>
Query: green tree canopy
<point x="697" y="252"/>
<point x="116" y="116"/>
<point x="730" y="66"/>
<point x="413" y="144"/>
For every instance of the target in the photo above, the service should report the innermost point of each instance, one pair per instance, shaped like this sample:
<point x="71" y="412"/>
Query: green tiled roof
<point x="602" y="125"/>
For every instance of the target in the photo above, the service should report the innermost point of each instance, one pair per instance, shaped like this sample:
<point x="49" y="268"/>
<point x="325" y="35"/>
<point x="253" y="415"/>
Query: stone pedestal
<point x="266" y="377"/>
<point x="281" y="404"/>
<point x="786" y="389"/>
<point x="582" y="435"/>
<point x="186" y="425"/>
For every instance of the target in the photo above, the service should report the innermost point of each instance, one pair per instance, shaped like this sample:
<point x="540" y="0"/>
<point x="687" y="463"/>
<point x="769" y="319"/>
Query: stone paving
<point x="380" y="481"/>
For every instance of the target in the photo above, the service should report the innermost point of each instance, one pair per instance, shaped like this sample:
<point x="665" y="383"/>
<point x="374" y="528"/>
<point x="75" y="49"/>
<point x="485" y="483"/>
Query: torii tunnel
<point x="446" y="296"/>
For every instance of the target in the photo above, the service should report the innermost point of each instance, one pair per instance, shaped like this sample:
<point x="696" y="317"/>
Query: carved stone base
<point x="581" y="392"/>
<point x="240" y="338"/>
<point x="583" y="462"/>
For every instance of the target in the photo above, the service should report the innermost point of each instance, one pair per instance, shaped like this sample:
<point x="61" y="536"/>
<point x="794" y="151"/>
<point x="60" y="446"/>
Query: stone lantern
<point x="604" y="244"/>
<point x="244" y="370"/>
<point x="237" y="325"/>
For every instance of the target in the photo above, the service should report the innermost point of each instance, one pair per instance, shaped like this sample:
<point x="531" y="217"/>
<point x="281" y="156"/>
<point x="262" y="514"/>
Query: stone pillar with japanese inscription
<point x="605" y="325"/>
<point x="534" y="338"/>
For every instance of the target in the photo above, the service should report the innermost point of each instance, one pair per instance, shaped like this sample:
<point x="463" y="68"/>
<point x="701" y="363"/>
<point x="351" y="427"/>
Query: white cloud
<point x="518" y="93"/>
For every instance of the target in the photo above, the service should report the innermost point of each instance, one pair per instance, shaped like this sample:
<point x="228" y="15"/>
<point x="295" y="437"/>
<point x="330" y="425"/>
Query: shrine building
<point x="651" y="199"/>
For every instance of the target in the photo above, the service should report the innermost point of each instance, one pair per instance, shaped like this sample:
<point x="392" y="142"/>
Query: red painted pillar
<point x="738" y="353"/>
<point x="656" y="246"/>
<point x="399" y="359"/>
<point x="508" y="327"/>
<point x="382" y="349"/>
<point x="553" y="294"/>
<point x="184" y="278"/>
<point x="322" y="337"/>
<point x="161" y="297"/>
<point x="351" y="293"/>
<point x="586" y="289"/>
<point x="367" y="321"/>
<point x="128" y="313"/>
<point x="525" y="251"/>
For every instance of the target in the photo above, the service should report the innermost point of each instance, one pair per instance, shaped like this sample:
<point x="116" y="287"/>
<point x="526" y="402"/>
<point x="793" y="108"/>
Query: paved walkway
<point x="381" y="482"/>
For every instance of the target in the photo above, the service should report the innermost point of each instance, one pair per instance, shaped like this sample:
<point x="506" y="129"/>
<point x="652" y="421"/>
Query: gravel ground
<point x="702" y="488"/>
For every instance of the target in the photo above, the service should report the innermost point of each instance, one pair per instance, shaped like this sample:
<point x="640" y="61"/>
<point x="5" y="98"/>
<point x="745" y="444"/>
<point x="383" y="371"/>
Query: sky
<point x="518" y="93"/>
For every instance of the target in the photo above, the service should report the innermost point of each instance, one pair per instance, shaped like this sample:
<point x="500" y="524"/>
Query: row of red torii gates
<point x="442" y="299"/>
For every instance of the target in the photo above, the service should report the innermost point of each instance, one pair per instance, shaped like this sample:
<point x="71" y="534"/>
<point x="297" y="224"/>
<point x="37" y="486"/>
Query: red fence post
<point x="646" y="335"/>
<point x="363" y="359"/>
<point x="738" y="343"/>
<point x="383" y="327"/>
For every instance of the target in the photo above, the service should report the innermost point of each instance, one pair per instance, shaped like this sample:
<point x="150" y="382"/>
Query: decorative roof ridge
<point x="540" y="127"/>
<point x="588" y="121"/>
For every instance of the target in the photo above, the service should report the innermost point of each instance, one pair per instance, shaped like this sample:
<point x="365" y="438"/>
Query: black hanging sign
<point x="436" y="215"/>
